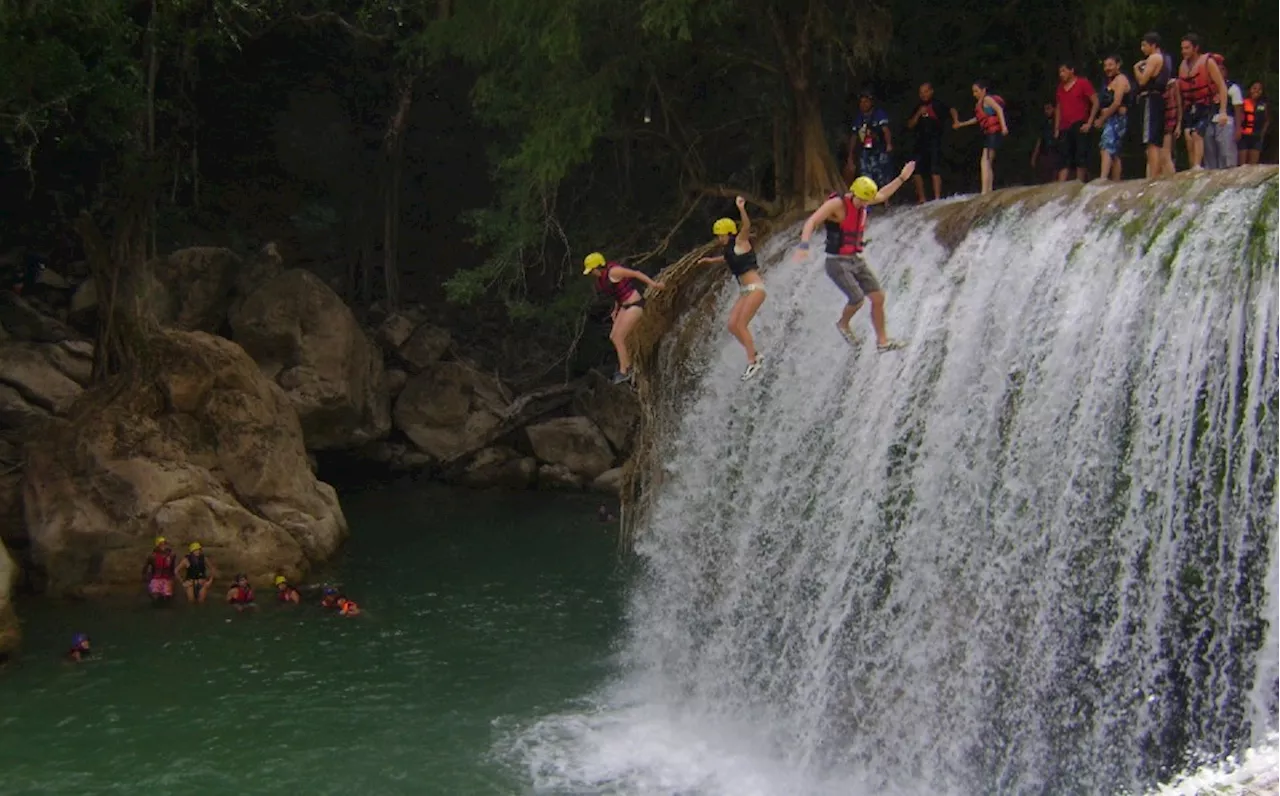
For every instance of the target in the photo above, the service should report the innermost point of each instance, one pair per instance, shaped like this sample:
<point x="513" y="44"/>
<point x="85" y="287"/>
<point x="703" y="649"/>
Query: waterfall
<point x="1033" y="552"/>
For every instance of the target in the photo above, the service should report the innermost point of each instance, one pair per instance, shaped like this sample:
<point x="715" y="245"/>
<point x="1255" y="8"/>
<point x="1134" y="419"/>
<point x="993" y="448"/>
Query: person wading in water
<point x="738" y="255"/>
<point x="845" y="218"/>
<point x="628" y="305"/>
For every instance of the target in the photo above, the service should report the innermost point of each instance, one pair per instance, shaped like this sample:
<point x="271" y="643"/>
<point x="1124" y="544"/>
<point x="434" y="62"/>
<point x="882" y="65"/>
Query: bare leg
<point x="984" y="169"/>
<point x="1153" y="161"/>
<point x="739" y="319"/>
<point x="847" y="314"/>
<point x="1117" y="170"/>
<point x="919" y="182"/>
<point x="937" y="186"/>
<point x="205" y="588"/>
<point x="1170" y="168"/>
<point x="190" y="588"/>
<point x="877" y="316"/>
<point x="1195" y="149"/>
<point x="622" y="326"/>
<point x="1082" y="174"/>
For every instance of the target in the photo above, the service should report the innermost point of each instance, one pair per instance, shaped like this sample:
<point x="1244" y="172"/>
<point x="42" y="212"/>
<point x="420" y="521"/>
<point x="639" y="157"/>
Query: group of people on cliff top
<point x="163" y="570"/>
<point x="1194" y="100"/>
<point x="1166" y="99"/>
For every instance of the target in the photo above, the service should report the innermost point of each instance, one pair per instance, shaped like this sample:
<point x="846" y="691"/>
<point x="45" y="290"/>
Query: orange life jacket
<point x="988" y="122"/>
<point x="1250" y="117"/>
<point x="1196" y="87"/>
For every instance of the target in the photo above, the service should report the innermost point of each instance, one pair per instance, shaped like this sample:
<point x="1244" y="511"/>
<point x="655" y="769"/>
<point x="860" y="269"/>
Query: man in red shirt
<point x="1073" y="114"/>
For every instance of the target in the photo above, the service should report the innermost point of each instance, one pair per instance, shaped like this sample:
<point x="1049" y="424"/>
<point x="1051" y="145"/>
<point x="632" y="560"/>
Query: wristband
<point x="804" y="244"/>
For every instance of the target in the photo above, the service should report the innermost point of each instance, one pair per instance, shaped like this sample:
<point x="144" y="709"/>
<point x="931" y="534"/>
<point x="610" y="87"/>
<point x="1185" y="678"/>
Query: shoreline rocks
<point x="209" y="450"/>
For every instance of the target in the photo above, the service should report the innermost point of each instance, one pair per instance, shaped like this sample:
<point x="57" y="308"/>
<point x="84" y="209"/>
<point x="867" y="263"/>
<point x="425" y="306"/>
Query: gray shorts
<point x="853" y="276"/>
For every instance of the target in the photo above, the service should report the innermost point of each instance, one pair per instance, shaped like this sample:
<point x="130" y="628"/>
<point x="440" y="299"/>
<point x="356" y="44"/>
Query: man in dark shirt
<point x="927" y="122"/>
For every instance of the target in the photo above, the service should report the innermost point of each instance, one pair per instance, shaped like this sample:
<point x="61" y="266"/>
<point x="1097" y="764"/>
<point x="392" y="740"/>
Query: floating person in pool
<point x="335" y="600"/>
<point x="196" y="573"/>
<point x="347" y="607"/>
<point x="737" y="254"/>
<point x="240" y="595"/>
<point x="845" y="219"/>
<point x="80" y="648"/>
<point x="604" y="514"/>
<point x="158" y="572"/>
<point x="285" y="592"/>
<point x="330" y="598"/>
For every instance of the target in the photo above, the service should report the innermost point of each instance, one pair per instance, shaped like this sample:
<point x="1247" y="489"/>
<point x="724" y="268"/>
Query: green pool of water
<point x="482" y="613"/>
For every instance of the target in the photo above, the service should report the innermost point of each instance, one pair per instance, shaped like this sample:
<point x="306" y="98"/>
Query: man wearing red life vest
<point x="1204" y="97"/>
<point x="845" y="218"/>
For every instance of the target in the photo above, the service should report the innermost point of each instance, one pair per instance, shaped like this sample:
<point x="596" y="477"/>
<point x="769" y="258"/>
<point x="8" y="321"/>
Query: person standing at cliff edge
<point x="845" y="218"/>
<point x="737" y="254"/>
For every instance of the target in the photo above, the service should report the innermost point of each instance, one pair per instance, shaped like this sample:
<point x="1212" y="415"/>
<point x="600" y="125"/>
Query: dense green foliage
<point x="610" y="125"/>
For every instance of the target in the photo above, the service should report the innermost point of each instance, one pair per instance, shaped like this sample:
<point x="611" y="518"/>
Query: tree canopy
<point x="619" y="126"/>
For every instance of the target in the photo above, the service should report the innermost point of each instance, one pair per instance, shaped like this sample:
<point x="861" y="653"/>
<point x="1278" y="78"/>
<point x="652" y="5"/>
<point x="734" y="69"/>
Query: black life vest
<point x="196" y="567"/>
<point x="845" y="238"/>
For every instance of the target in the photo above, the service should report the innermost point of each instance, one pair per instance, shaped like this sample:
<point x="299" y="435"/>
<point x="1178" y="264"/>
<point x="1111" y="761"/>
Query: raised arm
<point x="745" y="227"/>
<point x="897" y="182"/>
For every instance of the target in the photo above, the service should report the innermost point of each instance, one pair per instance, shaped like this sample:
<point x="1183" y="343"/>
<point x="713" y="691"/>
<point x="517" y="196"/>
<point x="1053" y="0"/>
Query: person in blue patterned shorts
<point x="1113" y="120"/>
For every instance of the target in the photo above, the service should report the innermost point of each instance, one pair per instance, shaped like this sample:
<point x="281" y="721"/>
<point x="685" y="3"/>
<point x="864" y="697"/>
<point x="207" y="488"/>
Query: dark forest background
<point x="465" y="154"/>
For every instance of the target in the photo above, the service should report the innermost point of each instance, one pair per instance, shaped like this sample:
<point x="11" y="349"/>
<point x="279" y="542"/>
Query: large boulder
<point x="424" y="347"/>
<point x="305" y="339"/>
<point x="501" y="468"/>
<point x="450" y="411"/>
<point x="614" y="408"/>
<point x="191" y="289"/>
<point x="24" y="322"/>
<point x="39" y="380"/>
<point x="10" y="632"/>
<point x="572" y="442"/>
<point x="207" y="449"/>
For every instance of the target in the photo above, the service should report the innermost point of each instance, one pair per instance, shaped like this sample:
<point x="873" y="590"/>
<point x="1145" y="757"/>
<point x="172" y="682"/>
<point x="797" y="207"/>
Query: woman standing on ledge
<point x="628" y="305"/>
<point x="741" y="259"/>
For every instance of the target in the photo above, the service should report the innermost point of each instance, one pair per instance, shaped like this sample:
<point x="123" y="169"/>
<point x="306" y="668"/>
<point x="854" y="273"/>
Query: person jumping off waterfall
<point x="738" y="255"/>
<point x="628" y="305"/>
<point x="845" y="217"/>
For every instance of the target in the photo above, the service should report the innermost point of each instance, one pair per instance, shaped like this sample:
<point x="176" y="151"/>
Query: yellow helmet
<point x="160" y="540"/>
<point x="592" y="261"/>
<point x="724" y="226"/>
<point x="279" y="579"/>
<point x="865" y="188"/>
<point x="194" y="546"/>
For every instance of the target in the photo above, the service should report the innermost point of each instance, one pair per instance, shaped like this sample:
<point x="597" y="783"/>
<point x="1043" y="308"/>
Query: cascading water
<point x="1033" y="552"/>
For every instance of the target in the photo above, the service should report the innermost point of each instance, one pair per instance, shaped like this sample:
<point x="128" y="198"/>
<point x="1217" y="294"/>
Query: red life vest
<point x="1250" y="117"/>
<point x="243" y="595"/>
<point x="619" y="291"/>
<point x="162" y="564"/>
<point x="1196" y="87"/>
<point x="988" y="122"/>
<point x="845" y="239"/>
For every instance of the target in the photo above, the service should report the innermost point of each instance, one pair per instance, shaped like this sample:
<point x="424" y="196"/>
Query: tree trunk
<point x="393" y="149"/>
<point x="815" y="174"/>
<point x="153" y="69"/>
<point x="813" y="168"/>
<point x="123" y="324"/>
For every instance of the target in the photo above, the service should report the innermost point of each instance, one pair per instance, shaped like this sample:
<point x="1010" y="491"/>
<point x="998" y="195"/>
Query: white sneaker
<point x="753" y="367"/>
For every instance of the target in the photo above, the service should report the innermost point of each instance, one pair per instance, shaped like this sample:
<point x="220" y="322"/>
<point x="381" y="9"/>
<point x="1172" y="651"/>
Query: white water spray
<point x="1033" y="552"/>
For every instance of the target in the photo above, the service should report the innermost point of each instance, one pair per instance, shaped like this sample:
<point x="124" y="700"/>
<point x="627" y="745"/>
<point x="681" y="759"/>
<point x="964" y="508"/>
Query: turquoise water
<point x="482" y="613"/>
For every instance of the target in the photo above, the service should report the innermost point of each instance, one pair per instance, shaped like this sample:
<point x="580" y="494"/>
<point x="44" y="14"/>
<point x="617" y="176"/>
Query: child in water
<point x="240" y="595"/>
<point x="285" y="592"/>
<point x="335" y="601"/>
<point x="80" y="648"/>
